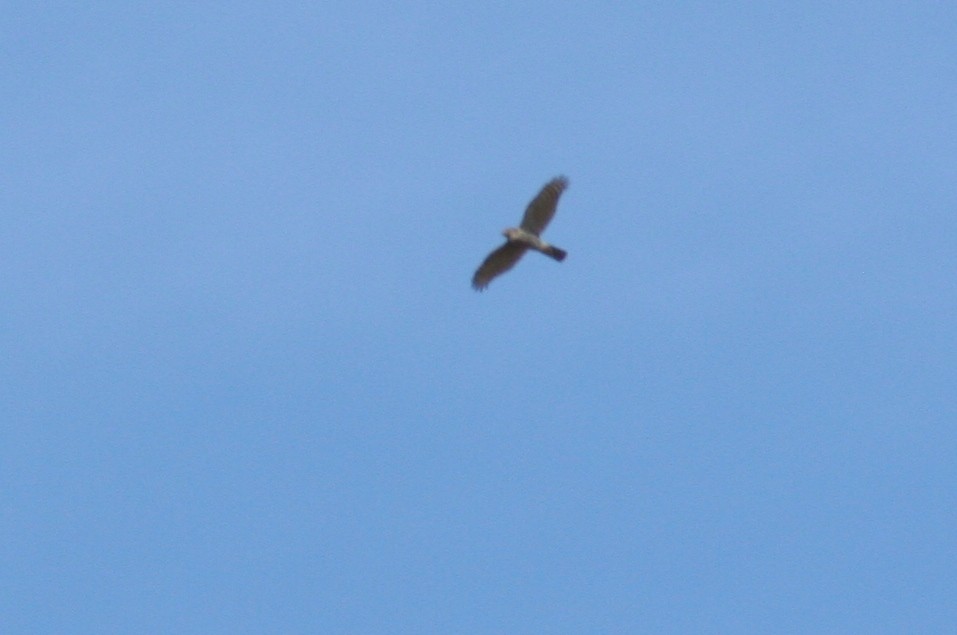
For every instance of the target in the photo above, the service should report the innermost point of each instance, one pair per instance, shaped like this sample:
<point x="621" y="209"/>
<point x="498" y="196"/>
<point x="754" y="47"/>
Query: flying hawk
<point x="524" y="237"/>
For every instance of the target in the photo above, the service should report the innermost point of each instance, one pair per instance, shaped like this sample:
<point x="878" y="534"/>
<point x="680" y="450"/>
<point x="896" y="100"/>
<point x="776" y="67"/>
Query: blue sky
<point x="247" y="387"/>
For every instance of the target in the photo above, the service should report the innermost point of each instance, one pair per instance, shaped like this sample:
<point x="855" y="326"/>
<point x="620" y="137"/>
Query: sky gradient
<point x="247" y="387"/>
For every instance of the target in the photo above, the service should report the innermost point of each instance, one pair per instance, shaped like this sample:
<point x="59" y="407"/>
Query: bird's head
<point x="509" y="232"/>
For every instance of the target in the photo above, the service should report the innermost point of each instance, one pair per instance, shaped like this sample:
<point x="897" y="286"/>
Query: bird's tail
<point x="556" y="253"/>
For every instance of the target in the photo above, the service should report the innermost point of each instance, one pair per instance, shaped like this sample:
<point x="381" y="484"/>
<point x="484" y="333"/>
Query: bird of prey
<point x="524" y="237"/>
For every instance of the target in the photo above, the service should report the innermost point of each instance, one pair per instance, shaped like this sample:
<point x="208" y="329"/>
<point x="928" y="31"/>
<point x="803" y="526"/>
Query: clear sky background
<point x="247" y="388"/>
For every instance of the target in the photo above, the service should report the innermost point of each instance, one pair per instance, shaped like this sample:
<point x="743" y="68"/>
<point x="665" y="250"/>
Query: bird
<point x="520" y="239"/>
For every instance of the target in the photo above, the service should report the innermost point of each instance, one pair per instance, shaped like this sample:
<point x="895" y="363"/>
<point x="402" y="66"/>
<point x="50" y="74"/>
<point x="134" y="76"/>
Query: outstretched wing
<point x="540" y="211"/>
<point x="496" y="263"/>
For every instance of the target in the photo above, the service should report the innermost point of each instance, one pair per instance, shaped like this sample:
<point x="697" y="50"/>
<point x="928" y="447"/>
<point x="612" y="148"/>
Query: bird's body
<point x="520" y="239"/>
<point x="530" y="240"/>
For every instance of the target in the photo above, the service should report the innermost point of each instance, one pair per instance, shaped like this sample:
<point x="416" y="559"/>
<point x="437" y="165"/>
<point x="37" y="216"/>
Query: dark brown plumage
<point x="524" y="237"/>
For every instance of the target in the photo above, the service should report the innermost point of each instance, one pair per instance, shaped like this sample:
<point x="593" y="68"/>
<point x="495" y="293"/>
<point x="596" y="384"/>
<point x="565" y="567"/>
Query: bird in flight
<point x="524" y="237"/>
